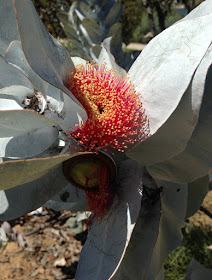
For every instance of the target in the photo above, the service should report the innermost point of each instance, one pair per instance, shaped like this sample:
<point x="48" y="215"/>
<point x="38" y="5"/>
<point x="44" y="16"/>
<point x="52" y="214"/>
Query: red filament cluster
<point x="115" y="114"/>
<point x="99" y="200"/>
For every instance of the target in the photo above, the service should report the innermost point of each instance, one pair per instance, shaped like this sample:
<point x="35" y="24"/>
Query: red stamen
<point x="99" y="200"/>
<point x="115" y="119"/>
<point x="115" y="113"/>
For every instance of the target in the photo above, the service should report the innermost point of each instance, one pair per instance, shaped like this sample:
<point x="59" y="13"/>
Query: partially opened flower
<point x="65" y="123"/>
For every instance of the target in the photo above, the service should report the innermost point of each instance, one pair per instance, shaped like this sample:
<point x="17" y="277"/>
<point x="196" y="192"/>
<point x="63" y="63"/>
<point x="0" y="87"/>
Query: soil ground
<point x="51" y="250"/>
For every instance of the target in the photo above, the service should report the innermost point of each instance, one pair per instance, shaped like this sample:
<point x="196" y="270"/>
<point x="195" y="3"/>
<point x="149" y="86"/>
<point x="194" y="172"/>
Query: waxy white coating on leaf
<point x="8" y="25"/>
<point x="16" y="94"/>
<point x="24" y="198"/>
<point x="196" y="271"/>
<point x="91" y="31"/>
<point x="197" y="156"/>
<point x="197" y="191"/>
<point x="69" y="194"/>
<point x="34" y="143"/>
<point x="165" y="67"/>
<point x="162" y="74"/>
<point x="41" y="49"/>
<point x="109" y="236"/>
<point x="17" y="122"/>
<point x="106" y="57"/>
<point x="80" y="205"/>
<point x="142" y="242"/>
<point x="174" y="204"/>
<point x="17" y="172"/>
<point x="11" y="76"/>
<point x="155" y="235"/>
<point x="16" y="57"/>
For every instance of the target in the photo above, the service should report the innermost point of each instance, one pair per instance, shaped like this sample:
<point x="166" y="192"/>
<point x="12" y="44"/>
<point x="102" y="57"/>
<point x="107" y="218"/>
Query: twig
<point x="204" y="210"/>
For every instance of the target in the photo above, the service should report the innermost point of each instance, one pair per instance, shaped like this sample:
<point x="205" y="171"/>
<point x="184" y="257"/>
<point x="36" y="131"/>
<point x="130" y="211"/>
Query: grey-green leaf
<point x="40" y="47"/>
<point x="8" y="25"/>
<point x="196" y="271"/>
<point x="109" y="236"/>
<point x="17" y="122"/>
<point x="139" y="251"/>
<point x="164" y="69"/>
<point x="174" y="203"/>
<point x="22" y="199"/>
<point x="10" y="76"/>
<point x="80" y="205"/>
<point x="69" y="194"/>
<point x="172" y="137"/>
<point x="28" y="144"/>
<point x="46" y="55"/>
<point x="106" y="57"/>
<point x="17" y="172"/>
<point x="114" y="14"/>
<point x="196" y="160"/>
<point x="197" y="191"/>
<point x="16" y="57"/>
<point x="91" y="31"/>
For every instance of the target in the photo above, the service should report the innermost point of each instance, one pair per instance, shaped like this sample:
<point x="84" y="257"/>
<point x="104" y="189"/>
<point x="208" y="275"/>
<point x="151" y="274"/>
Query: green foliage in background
<point x="143" y="27"/>
<point x="135" y="22"/>
<point x="195" y="245"/>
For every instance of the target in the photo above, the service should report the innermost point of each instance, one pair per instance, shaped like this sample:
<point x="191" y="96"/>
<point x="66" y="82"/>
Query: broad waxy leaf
<point x="197" y="271"/>
<point x="106" y="57"/>
<point x="197" y="191"/>
<point x="177" y="51"/>
<point x="155" y="235"/>
<point x="139" y="251"/>
<point x="17" y="122"/>
<point x="16" y="57"/>
<point x="109" y="236"/>
<point x="91" y="31"/>
<point x="9" y="104"/>
<point x="16" y="94"/>
<point x="28" y="144"/>
<point x="172" y="137"/>
<point x="197" y="156"/>
<point x="174" y="203"/>
<point x="80" y="205"/>
<point x="87" y="11"/>
<point x="114" y="14"/>
<point x="69" y="194"/>
<point x="41" y="48"/>
<point x="25" y="198"/>
<point x="204" y="8"/>
<point x="54" y="96"/>
<point x="17" y="172"/>
<point x="8" y="25"/>
<point x="10" y="76"/>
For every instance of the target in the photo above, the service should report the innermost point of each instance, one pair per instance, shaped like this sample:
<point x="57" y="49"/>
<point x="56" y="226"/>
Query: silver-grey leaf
<point x="196" y="160"/>
<point x="196" y="271"/>
<point x="28" y="144"/>
<point x="174" y="203"/>
<point x="17" y="122"/>
<point x="164" y="69"/>
<point x="30" y="196"/>
<point x="17" y="172"/>
<point x="8" y="25"/>
<point x="109" y="236"/>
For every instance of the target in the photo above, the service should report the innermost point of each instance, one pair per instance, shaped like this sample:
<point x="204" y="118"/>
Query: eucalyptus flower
<point x="153" y="128"/>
